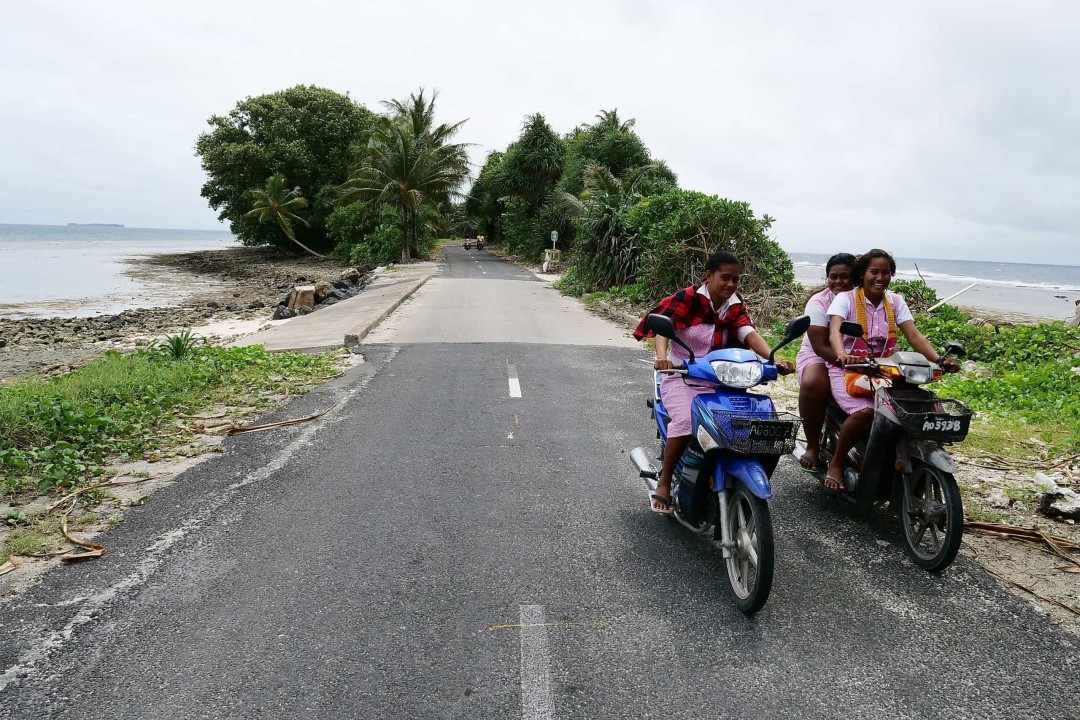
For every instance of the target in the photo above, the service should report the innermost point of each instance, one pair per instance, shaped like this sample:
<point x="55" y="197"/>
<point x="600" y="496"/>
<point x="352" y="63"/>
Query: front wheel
<point x="750" y="566"/>
<point x="932" y="516"/>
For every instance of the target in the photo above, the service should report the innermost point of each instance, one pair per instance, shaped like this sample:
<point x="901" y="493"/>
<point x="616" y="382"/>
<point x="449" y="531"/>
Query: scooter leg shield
<point x="748" y="470"/>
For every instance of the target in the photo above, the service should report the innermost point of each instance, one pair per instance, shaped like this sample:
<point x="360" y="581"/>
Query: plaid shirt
<point x="689" y="307"/>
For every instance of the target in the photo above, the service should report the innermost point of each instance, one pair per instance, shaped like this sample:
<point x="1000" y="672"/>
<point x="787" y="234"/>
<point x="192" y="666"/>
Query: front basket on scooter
<point x="757" y="433"/>
<point x="929" y="417"/>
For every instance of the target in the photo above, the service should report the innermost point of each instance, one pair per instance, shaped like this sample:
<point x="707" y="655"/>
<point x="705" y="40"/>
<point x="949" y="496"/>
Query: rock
<point x="1056" y="501"/>
<point x="999" y="500"/>
<point x="1065" y="503"/>
<point x="330" y="300"/>
<point x="305" y="310"/>
<point x="322" y="289"/>
<point x="213" y="304"/>
<point x="302" y="296"/>
<point x="342" y="285"/>
<point x="233" y="307"/>
<point x="3" y="342"/>
<point x="351" y="276"/>
<point x="283" y="312"/>
<point x="256" y="305"/>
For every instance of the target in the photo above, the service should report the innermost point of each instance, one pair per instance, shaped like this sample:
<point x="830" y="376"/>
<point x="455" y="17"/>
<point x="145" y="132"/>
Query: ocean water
<point x="1017" y="275"/>
<point x="83" y="270"/>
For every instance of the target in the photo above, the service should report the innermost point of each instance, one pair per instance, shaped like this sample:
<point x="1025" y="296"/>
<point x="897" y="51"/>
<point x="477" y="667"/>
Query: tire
<point x="931" y="517"/>
<point x="751" y="529"/>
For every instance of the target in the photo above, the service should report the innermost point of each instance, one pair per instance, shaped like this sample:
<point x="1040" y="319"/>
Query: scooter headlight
<point x="738" y="374"/>
<point x="918" y="375"/>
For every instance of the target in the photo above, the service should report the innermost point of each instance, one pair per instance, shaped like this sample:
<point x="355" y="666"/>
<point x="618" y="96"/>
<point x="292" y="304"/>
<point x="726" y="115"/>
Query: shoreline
<point x="220" y="294"/>
<point x="1016" y="304"/>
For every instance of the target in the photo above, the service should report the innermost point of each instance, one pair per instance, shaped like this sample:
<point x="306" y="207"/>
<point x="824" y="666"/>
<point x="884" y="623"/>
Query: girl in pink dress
<point x="882" y="314"/>
<point x="814" y="388"/>
<point x="707" y="318"/>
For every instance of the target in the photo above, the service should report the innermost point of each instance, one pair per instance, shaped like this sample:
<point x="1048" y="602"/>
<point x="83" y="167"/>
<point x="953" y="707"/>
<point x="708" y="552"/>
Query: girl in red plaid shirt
<point x="707" y="317"/>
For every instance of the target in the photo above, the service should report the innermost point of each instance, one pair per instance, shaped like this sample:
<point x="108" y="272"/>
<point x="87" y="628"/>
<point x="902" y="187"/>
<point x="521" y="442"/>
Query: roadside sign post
<point x="551" y="257"/>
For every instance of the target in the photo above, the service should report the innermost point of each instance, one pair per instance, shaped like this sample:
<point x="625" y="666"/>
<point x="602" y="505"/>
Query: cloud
<point x="942" y="129"/>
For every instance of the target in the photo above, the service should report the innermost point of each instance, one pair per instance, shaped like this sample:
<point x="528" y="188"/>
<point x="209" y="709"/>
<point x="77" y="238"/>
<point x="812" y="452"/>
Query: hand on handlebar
<point x="664" y="364"/>
<point x="949" y="365"/>
<point x="785" y="367"/>
<point x="843" y="359"/>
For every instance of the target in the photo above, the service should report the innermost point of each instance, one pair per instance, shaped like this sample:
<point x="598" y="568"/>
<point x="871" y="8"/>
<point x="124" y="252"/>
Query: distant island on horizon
<point x="95" y="225"/>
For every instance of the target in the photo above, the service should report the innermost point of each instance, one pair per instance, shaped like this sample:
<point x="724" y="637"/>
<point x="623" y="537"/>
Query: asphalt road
<point x="438" y="547"/>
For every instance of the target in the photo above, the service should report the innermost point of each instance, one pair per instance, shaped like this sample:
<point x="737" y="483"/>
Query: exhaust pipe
<point x="644" y="466"/>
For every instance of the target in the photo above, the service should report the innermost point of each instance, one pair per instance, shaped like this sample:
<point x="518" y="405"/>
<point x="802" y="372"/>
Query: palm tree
<point x="409" y="164"/>
<point x="275" y="203"/>
<point x="611" y="254"/>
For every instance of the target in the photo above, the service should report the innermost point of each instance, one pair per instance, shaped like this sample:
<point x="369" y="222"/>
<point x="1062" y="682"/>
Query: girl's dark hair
<point x="719" y="259"/>
<point x="863" y="262"/>
<point x="840" y="259"/>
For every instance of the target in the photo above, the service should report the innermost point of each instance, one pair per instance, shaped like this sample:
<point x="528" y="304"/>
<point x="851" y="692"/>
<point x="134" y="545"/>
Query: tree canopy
<point x="309" y="134"/>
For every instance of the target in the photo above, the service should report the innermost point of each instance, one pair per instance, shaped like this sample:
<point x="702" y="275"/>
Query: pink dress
<point x="675" y="393"/>
<point x="877" y="335"/>
<point x="817" y="307"/>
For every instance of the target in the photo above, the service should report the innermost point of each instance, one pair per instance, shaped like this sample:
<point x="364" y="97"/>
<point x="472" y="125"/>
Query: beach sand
<point x="1019" y="304"/>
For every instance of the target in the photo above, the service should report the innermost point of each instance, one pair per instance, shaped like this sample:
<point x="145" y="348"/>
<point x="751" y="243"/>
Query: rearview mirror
<point x="955" y="348"/>
<point x="662" y="325"/>
<point x="852" y="329"/>
<point x="796" y="327"/>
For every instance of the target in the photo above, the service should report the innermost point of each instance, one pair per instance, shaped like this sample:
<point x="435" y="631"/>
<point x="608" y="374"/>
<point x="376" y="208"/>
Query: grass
<point x="56" y="432"/>
<point x="59" y="434"/>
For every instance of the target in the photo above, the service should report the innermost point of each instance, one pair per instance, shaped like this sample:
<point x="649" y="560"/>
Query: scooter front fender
<point x="748" y="470"/>
<point x="929" y="452"/>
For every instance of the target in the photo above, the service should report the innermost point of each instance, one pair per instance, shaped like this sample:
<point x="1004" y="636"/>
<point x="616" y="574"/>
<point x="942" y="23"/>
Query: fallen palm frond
<point x="1044" y="598"/>
<point x="280" y="423"/>
<point x="1059" y="545"/>
<point x="11" y="564"/>
<point x="93" y="550"/>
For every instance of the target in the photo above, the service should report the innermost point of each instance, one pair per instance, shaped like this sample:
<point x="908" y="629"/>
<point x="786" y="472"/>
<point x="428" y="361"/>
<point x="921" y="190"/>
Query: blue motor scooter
<point x="721" y="484"/>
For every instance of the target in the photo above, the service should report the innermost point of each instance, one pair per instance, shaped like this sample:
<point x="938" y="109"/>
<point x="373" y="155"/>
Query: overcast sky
<point x="933" y="129"/>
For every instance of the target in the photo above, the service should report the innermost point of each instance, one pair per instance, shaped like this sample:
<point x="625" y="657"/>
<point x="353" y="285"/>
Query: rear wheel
<point x="750" y="567"/>
<point x="932" y="516"/>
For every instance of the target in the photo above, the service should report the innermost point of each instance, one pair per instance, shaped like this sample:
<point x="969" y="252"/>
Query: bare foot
<point x="660" y="500"/>
<point x="831" y="482"/>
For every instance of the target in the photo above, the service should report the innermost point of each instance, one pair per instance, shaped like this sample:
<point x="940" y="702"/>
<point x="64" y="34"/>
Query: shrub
<point x="681" y="228"/>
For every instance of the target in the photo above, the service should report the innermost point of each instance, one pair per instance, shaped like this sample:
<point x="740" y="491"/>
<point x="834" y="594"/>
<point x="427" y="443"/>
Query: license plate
<point x="772" y="430"/>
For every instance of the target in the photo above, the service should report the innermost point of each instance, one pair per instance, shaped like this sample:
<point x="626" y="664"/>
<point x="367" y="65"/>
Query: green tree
<point x="482" y="204"/>
<point x="409" y="164"/>
<point x="532" y="164"/>
<point x="307" y="133"/>
<point x="277" y="204"/>
<point x="611" y="143"/>
<point x="679" y="229"/>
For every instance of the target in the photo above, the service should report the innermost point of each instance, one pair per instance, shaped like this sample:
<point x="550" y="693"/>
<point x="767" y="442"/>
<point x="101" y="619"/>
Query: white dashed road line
<point x="515" y="385"/>
<point x="537" y="699"/>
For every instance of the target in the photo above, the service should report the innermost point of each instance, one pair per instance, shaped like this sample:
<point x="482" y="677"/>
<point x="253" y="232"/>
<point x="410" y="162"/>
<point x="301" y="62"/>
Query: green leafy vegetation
<point x="409" y="165"/>
<point x="56" y="434"/>
<point x="310" y="135"/>
<point x="620" y="216"/>
<point x="1024" y="375"/>
<point x="310" y="168"/>
<point x="179" y="346"/>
